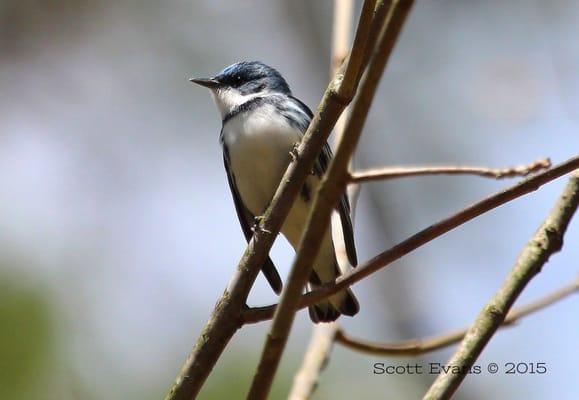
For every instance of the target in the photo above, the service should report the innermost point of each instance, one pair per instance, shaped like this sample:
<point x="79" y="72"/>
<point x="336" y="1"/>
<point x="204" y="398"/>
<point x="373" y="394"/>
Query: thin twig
<point x="381" y="174"/>
<point x="257" y="314"/>
<point x="315" y="360"/>
<point x="415" y="347"/>
<point x="545" y="242"/>
<point x="332" y="186"/>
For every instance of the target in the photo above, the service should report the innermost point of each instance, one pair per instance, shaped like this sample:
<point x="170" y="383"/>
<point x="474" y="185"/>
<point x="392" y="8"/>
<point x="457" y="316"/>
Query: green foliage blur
<point x="27" y="346"/>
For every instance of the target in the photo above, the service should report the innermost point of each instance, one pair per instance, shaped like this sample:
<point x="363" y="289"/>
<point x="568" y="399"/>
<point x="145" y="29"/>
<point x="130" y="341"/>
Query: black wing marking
<point x="343" y="209"/>
<point x="246" y="219"/>
<point x="303" y="107"/>
<point x="344" y="205"/>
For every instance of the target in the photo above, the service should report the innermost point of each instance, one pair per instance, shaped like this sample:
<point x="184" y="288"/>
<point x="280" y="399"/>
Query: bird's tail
<point x="343" y="302"/>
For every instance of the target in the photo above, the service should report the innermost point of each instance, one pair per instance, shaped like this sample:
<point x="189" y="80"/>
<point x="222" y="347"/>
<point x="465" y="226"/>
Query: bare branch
<point x="257" y="314"/>
<point x="318" y="352"/>
<point x="333" y="185"/>
<point x="546" y="241"/>
<point x="381" y="174"/>
<point x="415" y="347"/>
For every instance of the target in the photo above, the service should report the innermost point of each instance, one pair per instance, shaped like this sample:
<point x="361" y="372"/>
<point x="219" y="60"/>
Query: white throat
<point x="228" y="99"/>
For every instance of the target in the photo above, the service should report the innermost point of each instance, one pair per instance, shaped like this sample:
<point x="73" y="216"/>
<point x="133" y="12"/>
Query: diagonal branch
<point x="381" y="174"/>
<point x="415" y="347"/>
<point x="321" y="343"/>
<point x="419" y="239"/>
<point x="546" y="241"/>
<point x="332" y="186"/>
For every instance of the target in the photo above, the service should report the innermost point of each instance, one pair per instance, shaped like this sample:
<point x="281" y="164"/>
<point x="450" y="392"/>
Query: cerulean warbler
<point x="261" y="123"/>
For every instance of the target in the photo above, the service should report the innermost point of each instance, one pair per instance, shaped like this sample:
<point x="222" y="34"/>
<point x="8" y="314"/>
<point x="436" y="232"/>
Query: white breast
<point x="259" y="143"/>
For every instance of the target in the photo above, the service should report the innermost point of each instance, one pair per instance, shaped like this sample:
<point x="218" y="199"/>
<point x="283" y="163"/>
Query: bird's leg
<point x="256" y="227"/>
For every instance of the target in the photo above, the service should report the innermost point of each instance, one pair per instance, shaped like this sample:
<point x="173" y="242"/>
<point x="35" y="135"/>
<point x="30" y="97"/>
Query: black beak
<point x="210" y="83"/>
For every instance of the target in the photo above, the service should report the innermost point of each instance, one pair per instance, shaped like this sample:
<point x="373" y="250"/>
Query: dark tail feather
<point x="323" y="312"/>
<point x="349" y="306"/>
<point x="272" y="276"/>
<point x="328" y="312"/>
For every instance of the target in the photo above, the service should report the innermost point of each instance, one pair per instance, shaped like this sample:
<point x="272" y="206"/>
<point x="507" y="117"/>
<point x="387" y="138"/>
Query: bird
<point x="262" y="122"/>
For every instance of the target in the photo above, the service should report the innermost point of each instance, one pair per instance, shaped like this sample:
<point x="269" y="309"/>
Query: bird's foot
<point x="294" y="151"/>
<point x="256" y="227"/>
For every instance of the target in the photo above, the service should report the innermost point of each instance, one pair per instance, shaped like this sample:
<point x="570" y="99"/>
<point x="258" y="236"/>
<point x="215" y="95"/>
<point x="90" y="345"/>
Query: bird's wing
<point x="246" y="220"/>
<point x="344" y="205"/>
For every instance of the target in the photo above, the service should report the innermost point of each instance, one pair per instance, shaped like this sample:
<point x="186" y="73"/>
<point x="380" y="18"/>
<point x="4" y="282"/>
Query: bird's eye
<point x="238" y="78"/>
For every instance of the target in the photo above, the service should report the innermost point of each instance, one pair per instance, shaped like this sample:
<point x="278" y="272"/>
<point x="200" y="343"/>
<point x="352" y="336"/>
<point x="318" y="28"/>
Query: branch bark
<point x="257" y="314"/>
<point x="333" y="184"/>
<point x="546" y="241"/>
<point x="321" y="343"/>
<point x="381" y="174"/>
<point x="415" y="347"/>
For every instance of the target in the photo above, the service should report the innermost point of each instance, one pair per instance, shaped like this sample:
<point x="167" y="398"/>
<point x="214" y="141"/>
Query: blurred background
<point x="118" y="233"/>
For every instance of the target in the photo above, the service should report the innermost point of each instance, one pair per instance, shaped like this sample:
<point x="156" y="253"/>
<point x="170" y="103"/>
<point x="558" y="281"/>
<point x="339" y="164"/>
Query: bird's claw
<point x="256" y="227"/>
<point x="294" y="151"/>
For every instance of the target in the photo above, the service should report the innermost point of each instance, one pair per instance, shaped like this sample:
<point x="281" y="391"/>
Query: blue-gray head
<point x="242" y="81"/>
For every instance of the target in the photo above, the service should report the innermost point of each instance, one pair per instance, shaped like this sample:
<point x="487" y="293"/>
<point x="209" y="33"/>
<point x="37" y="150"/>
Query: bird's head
<point x="241" y="82"/>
